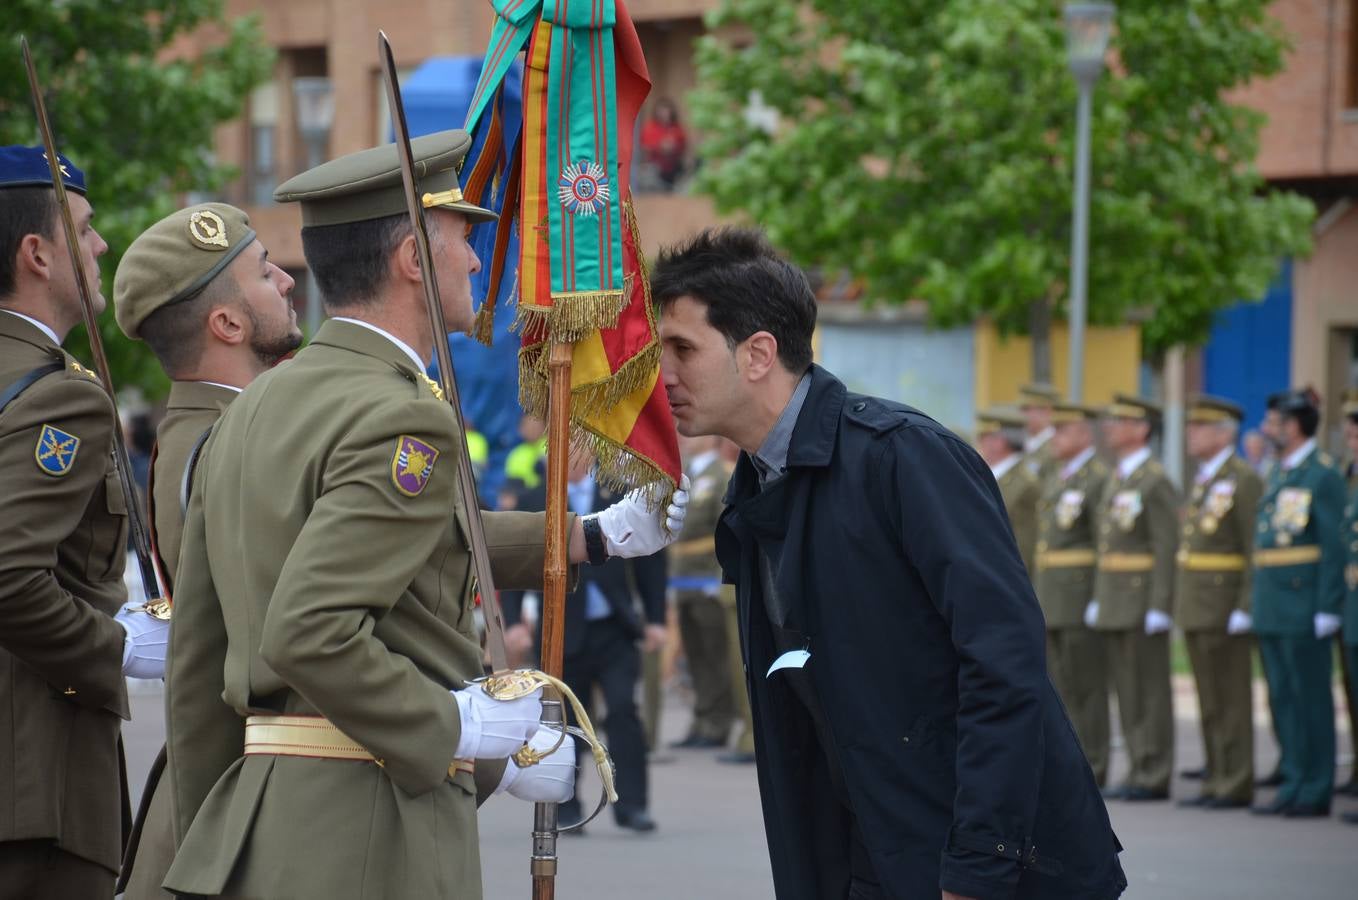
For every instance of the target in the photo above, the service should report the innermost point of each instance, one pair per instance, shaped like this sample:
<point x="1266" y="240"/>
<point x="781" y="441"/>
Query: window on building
<point x="263" y="166"/>
<point x="1351" y="63"/>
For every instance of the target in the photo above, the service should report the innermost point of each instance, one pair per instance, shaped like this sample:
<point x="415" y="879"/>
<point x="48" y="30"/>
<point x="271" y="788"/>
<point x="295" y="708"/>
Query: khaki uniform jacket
<point x="1066" y="534"/>
<point x="1042" y="463"/>
<point x="1021" y="492"/>
<point x="63" y="541"/>
<point x="1216" y="548"/>
<point x="694" y="555"/>
<point x="192" y="408"/>
<point x="1138" y="540"/>
<point x="325" y="569"/>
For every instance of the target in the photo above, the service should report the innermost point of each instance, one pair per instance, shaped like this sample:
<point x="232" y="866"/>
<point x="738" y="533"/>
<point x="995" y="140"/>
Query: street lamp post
<point x="1087" y="28"/>
<point x="314" y="100"/>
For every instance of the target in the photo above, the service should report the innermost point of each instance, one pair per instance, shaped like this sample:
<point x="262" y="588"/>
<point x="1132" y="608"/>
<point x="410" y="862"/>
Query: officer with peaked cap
<point x="324" y="634"/>
<point x="1064" y="577"/>
<point x="999" y="439"/>
<point x="1212" y="599"/>
<point x="1134" y="593"/>
<point x="1298" y="593"/>
<point x="199" y="289"/>
<point x="1036" y="402"/>
<point x="63" y="539"/>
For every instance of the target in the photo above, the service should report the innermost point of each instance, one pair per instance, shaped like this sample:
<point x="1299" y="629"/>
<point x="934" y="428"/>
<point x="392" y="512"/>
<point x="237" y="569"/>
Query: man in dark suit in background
<point x="603" y="628"/>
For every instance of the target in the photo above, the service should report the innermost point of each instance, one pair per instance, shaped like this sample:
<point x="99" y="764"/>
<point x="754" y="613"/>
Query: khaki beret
<point x="367" y="184"/>
<point x="1065" y="413"/>
<point x="996" y="419"/>
<point x="1125" y="406"/>
<point x="1204" y="409"/>
<point x="175" y="259"/>
<point x="1038" y="394"/>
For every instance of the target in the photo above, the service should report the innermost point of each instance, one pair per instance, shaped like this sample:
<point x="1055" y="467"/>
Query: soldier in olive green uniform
<point x="1064" y="578"/>
<point x="695" y="578"/>
<point x="1298" y="593"/>
<point x="1133" y="595"/>
<point x="1212" y="599"/>
<point x="63" y="538"/>
<point x="999" y="438"/>
<point x="199" y="289"/>
<point x="323" y="741"/>
<point x="1349" y="535"/>
<point x="1035" y="403"/>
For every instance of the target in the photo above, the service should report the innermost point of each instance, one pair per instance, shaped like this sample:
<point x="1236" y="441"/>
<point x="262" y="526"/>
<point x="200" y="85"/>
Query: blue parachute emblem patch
<point x="56" y="450"/>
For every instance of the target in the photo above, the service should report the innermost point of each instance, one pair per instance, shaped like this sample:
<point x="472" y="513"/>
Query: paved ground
<point x="711" y="845"/>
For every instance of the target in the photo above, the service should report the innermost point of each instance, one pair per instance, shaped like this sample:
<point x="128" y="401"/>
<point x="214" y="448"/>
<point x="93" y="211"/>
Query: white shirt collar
<point x="702" y="461"/>
<point x="1208" y="470"/>
<point x="1077" y="463"/>
<point x="1003" y="468"/>
<point x="1034" y="442"/>
<point x="1129" y="464"/>
<point x="1298" y="456"/>
<point x="229" y="387"/>
<point x="41" y="326"/>
<point x="405" y="348"/>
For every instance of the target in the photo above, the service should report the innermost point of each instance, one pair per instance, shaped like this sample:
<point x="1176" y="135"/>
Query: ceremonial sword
<point x="156" y="605"/>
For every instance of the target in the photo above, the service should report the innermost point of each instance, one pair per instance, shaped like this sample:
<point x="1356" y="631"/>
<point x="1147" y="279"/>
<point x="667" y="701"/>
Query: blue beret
<point x="27" y="167"/>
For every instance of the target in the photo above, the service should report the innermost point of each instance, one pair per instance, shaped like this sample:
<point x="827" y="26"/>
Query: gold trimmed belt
<point x="1126" y="562"/>
<point x="1065" y="559"/>
<point x="314" y="737"/>
<point x="1211" y="562"/>
<point x="1286" y="556"/>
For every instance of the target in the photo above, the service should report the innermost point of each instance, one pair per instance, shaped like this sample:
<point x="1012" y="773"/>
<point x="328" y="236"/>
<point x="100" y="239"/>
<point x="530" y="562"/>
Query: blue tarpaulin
<point x="436" y="97"/>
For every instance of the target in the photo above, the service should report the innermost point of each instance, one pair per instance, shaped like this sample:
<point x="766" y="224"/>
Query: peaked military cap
<point x="1064" y="412"/>
<point x="1125" y="406"/>
<point x="997" y="419"/>
<point x="1038" y="393"/>
<point x="1294" y="401"/>
<point x="27" y="167"/>
<point x="1204" y="408"/>
<point x="367" y="184"/>
<point x="176" y="258"/>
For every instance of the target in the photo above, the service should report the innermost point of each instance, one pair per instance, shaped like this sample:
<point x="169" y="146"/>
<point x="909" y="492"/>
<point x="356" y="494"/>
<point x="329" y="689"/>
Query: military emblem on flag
<point x="56" y="450"/>
<point x="412" y="465"/>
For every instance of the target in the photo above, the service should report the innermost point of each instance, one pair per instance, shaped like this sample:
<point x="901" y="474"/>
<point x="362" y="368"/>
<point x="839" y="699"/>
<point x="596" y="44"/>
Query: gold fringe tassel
<point x="572" y="316"/>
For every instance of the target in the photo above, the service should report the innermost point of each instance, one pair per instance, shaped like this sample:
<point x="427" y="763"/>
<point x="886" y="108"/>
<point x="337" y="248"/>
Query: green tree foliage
<point x="135" y="117"/>
<point x="926" y="147"/>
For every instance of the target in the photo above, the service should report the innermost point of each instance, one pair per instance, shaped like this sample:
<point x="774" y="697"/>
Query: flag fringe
<point x="572" y="316"/>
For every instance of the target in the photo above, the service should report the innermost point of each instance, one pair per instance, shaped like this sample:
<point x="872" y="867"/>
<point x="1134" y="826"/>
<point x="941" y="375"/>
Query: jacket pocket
<point x="108" y="532"/>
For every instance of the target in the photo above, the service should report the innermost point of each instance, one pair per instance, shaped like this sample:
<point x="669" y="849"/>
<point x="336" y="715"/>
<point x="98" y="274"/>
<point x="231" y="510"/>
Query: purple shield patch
<point x="412" y="465"/>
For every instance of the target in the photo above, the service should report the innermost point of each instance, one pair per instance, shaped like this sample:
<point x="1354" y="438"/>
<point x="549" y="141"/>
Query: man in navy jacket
<point x="909" y="742"/>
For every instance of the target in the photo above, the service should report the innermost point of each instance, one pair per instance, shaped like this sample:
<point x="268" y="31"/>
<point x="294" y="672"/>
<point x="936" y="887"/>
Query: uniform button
<point x="859" y="406"/>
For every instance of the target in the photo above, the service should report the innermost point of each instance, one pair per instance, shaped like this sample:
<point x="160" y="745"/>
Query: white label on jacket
<point x="792" y="659"/>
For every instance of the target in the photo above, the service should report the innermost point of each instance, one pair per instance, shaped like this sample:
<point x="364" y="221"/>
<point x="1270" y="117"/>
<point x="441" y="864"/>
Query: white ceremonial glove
<point x="1326" y="625"/>
<point x="1091" y="613"/>
<point x="1240" y="622"/>
<point x="147" y="640"/>
<point x="1158" y="622"/>
<point x="631" y="530"/>
<point x="550" y="781"/>
<point x="494" y="729"/>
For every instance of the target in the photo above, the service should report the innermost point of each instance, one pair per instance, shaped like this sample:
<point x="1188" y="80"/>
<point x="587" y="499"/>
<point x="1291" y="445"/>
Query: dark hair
<point x="746" y="287"/>
<point x="23" y="211"/>
<point x="1307" y="418"/>
<point x="175" y="331"/>
<point x="350" y="261"/>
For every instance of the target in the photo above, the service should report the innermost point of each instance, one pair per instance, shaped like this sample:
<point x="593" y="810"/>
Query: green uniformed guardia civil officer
<point x="63" y="539"/>
<point x="1349" y="536"/>
<point x="1212" y="599"/>
<point x="1036" y="403"/>
<point x="1134" y="592"/>
<point x="1298" y="594"/>
<point x="695" y="580"/>
<point x="1064" y="577"/>
<point x="199" y="289"/>
<point x="999" y="440"/>
<point x="323" y="738"/>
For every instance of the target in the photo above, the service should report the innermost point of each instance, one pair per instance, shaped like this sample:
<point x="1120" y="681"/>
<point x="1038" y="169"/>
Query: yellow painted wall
<point x="1112" y="363"/>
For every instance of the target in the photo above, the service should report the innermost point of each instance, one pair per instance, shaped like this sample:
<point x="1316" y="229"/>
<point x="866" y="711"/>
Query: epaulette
<point x="78" y="369"/>
<point x="879" y="416"/>
<point x="1324" y="459"/>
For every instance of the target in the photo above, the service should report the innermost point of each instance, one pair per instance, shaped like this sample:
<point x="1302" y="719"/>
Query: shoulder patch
<point x="412" y="464"/>
<point x="55" y="452"/>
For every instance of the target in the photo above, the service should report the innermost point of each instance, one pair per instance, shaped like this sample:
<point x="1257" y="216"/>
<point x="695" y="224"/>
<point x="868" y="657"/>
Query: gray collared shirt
<point x="771" y="459"/>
